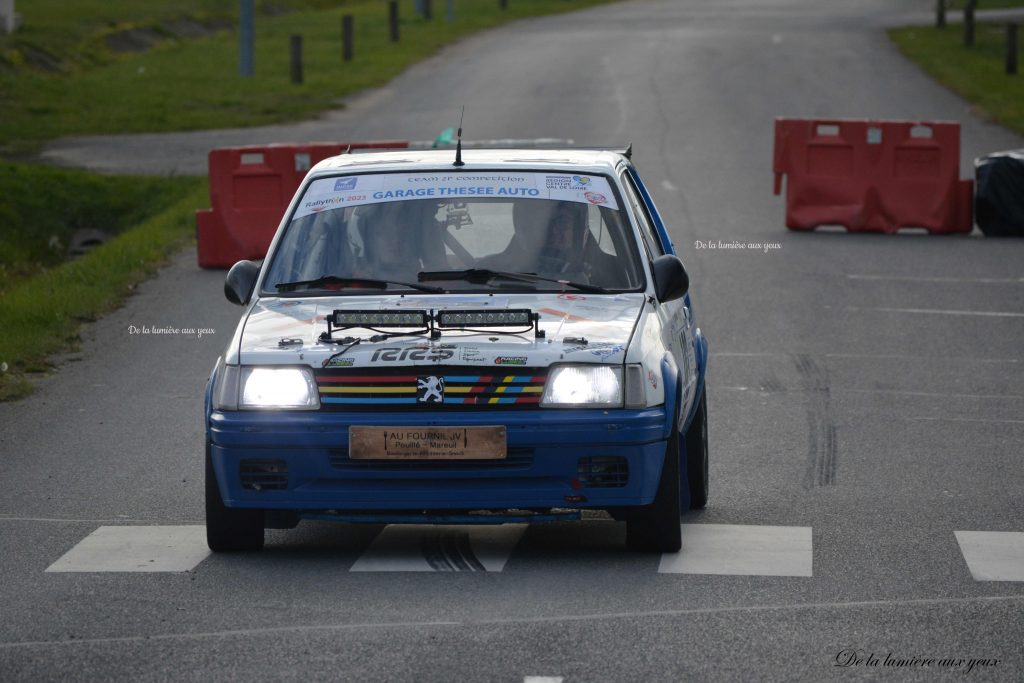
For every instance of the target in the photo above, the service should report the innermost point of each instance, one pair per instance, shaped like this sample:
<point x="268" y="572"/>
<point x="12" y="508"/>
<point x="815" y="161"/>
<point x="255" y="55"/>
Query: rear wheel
<point x="229" y="529"/>
<point x="657" y="527"/>
<point x="697" y="454"/>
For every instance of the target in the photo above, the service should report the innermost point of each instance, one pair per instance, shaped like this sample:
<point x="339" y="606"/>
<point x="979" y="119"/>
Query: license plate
<point x="426" y="443"/>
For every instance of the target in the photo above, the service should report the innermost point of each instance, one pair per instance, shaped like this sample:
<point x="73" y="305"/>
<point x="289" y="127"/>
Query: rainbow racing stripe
<point x="430" y="388"/>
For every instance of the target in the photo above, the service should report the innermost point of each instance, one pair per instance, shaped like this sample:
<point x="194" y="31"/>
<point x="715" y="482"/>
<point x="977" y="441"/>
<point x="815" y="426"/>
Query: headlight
<point x="286" y="388"/>
<point x="590" y="386"/>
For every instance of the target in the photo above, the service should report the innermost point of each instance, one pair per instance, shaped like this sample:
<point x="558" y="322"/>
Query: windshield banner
<point x="333" y="193"/>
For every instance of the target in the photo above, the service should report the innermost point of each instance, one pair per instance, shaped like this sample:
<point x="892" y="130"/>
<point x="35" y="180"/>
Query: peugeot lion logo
<point x="430" y="389"/>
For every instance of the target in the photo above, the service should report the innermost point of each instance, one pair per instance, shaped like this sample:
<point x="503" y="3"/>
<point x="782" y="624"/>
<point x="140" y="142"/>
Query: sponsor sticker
<point x="595" y="197"/>
<point x="609" y="351"/>
<point x="340" y="363"/>
<point x="332" y="193"/>
<point x="510" y="360"/>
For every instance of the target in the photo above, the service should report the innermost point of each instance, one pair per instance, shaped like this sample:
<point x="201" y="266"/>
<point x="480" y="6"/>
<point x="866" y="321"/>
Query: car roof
<point x="576" y="160"/>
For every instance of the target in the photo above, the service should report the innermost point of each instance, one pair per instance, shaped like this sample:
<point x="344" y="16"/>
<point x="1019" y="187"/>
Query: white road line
<point x="962" y="419"/>
<point x="892" y="392"/>
<point x="667" y="184"/>
<point x="993" y="555"/>
<point x="440" y="548"/>
<point x="868" y="356"/>
<point x="65" y="520"/>
<point x="932" y="311"/>
<point x="910" y="278"/>
<point x="542" y="679"/>
<point x="568" y="619"/>
<point x="739" y="550"/>
<point x="136" y="549"/>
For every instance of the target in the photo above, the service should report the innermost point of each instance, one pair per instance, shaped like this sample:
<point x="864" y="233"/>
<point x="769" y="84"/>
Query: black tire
<point x="697" y="455"/>
<point x="657" y="527"/>
<point x="229" y="529"/>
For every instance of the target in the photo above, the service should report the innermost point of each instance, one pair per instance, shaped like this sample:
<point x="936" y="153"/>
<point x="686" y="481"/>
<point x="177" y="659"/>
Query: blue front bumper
<point x="305" y="465"/>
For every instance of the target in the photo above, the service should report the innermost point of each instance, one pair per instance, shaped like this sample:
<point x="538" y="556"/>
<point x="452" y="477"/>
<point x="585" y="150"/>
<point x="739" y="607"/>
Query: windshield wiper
<point x="357" y="281"/>
<point x="485" y="275"/>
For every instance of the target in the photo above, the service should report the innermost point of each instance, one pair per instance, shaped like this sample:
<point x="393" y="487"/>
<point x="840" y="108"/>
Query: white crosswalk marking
<point x="439" y="548"/>
<point x="136" y="549"/>
<point x="742" y="551"/>
<point x="993" y="555"/>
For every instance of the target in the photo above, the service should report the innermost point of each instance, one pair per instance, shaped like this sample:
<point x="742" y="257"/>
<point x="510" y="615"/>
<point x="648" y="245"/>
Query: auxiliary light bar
<point x="380" y="318"/>
<point x="423" y="320"/>
<point x="512" y="317"/>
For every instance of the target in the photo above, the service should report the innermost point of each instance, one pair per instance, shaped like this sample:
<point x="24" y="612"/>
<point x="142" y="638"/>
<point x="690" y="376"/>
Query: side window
<point x="650" y="235"/>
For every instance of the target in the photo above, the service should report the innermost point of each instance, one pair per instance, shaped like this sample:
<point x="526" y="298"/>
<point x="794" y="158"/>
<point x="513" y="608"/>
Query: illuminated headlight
<point x="592" y="386"/>
<point x="284" y="388"/>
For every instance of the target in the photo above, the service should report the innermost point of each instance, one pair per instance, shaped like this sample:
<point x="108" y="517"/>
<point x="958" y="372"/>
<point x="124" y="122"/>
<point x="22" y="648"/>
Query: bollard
<point x="296" y="59"/>
<point x="346" y="38"/>
<point x="503" y="4"/>
<point x="245" y="39"/>
<point x="418" y="8"/>
<point x="1011" y="49"/>
<point x="969" y="24"/>
<point x="428" y="9"/>
<point x="449" y="12"/>
<point x="393" y="20"/>
<point x="940" y="13"/>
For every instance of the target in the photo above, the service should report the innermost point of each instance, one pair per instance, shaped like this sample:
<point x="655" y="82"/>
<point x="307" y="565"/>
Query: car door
<point x="678" y="326"/>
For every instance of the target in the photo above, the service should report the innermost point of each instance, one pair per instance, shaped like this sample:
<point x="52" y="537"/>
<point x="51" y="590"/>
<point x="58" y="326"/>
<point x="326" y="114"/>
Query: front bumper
<point x="299" y="461"/>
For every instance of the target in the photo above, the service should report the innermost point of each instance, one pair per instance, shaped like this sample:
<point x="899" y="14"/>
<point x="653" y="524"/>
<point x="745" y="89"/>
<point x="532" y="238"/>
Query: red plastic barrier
<point x="250" y="188"/>
<point x="872" y="176"/>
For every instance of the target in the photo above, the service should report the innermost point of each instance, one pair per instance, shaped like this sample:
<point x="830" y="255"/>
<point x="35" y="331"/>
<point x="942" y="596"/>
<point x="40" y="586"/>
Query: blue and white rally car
<point x="507" y="338"/>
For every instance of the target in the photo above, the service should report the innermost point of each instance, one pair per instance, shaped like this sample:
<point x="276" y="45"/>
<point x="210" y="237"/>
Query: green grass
<point x="194" y="84"/>
<point x="41" y="316"/>
<point x="42" y="208"/>
<point x="976" y="74"/>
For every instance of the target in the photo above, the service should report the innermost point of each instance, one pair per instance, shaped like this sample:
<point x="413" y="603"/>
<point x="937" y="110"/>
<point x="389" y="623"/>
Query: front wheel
<point x="229" y="529"/>
<point x="657" y="527"/>
<point x="697" y="454"/>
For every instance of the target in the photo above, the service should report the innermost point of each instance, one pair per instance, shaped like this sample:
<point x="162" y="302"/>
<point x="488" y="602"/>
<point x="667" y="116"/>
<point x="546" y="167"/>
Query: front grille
<point x="516" y="459"/>
<point x="264" y="475"/>
<point x="430" y="388"/>
<point x="603" y="472"/>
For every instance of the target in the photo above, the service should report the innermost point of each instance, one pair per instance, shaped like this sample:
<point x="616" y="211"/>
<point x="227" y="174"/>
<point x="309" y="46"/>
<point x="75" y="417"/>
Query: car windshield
<point x="349" y="233"/>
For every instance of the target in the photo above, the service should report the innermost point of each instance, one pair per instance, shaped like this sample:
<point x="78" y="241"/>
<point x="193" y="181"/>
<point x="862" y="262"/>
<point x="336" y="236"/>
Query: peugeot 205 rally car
<point x="507" y="338"/>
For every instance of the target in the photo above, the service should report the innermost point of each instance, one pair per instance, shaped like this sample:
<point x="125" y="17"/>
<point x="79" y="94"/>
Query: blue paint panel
<point x="572" y="516"/>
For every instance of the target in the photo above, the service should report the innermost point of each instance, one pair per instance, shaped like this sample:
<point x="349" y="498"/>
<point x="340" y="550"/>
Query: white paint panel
<point x="993" y="555"/>
<point x="440" y="548"/>
<point x="136" y="549"/>
<point x="742" y="551"/>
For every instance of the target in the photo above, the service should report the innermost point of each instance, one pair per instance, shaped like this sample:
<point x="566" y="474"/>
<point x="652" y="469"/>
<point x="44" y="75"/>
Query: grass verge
<point x="41" y="316"/>
<point x="189" y="84"/>
<point x="43" y="211"/>
<point x="976" y="74"/>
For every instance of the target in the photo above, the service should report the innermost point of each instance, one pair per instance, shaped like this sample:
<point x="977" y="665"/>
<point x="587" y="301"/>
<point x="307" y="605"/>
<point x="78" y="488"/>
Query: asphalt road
<point x="869" y="388"/>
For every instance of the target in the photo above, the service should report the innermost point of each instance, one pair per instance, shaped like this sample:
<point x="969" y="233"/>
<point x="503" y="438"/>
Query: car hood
<point x="287" y="331"/>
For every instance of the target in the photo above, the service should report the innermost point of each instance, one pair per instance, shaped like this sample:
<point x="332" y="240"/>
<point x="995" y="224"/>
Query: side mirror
<point x="670" y="278"/>
<point x="239" y="283"/>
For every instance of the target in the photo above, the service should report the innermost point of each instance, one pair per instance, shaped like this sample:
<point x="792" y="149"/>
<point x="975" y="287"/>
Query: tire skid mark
<point x="822" y="442"/>
<point x="450" y="551"/>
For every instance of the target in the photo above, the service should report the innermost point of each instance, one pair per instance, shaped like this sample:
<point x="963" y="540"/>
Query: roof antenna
<point x="458" y="145"/>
